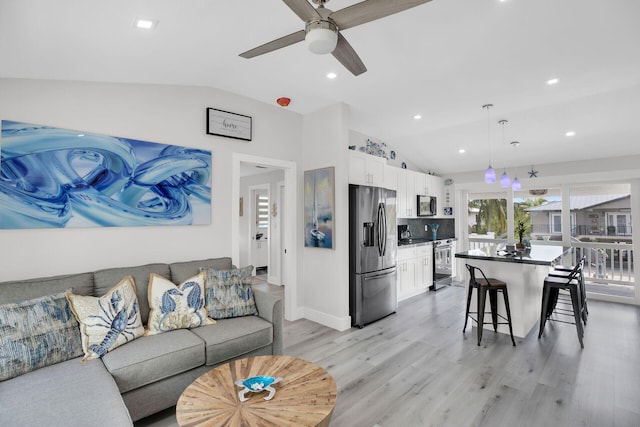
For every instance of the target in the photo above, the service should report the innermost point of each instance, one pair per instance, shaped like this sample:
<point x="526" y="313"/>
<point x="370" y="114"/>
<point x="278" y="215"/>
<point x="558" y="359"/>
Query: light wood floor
<point x="417" y="368"/>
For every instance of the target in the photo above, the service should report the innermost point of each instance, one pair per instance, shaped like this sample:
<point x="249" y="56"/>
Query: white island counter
<point x="524" y="275"/>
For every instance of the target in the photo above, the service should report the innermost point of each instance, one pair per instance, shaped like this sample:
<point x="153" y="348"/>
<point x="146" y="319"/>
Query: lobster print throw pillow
<point x="176" y="307"/>
<point x="109" y="321"/>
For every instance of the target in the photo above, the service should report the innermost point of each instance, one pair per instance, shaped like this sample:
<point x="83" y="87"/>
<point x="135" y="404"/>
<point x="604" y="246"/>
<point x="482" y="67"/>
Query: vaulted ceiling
<point x="442" y="60"/>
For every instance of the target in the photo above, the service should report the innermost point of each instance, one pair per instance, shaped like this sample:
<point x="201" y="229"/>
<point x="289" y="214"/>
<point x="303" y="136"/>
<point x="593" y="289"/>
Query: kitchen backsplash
<point x="446" y="230"/>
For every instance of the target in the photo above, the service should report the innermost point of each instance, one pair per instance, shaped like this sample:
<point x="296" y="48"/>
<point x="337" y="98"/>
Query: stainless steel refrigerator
<point x="372" y="254"/>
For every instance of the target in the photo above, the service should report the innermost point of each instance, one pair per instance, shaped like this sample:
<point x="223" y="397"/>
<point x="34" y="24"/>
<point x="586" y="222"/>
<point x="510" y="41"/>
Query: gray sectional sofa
<point x="143" y="376"/>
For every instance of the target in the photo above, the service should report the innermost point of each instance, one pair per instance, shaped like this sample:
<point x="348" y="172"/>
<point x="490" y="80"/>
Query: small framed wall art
<point x="231" y="125"/>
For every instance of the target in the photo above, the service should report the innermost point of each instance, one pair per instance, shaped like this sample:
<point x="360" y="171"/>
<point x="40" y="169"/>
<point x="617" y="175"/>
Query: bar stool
<point x="565" y="271"/>
<point x="493" y="286"/>
<point x="552" y="285"/>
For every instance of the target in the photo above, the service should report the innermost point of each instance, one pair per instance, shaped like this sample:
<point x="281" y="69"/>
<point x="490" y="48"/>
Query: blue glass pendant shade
<point x="515" y="186"/>
<point x="504" y="180"/>
<point x="490" y="175"/>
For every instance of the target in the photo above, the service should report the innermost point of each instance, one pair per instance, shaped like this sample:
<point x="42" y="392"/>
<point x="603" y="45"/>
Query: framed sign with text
<point x="231" y="125"/>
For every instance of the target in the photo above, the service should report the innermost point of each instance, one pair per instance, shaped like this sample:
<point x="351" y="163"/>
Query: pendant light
<point x="515" y="185"/>
<point x="504" y="179"/>
<point x="490" y="173"/>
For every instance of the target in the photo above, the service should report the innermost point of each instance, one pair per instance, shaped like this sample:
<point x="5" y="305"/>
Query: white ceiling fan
<point x="323" y="27"/>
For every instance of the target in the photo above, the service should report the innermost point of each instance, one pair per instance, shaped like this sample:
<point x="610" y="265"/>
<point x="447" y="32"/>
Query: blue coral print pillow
<point x="109" y="321"/>
<point x="229" y="293"/>
<point x="176" y="307"/>
<point x="37" y="333"/>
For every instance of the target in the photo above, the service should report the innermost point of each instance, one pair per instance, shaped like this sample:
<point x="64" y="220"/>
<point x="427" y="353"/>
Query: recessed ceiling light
<point x="570" y="133"/>
<point x="80" y="135"/>
<point x="417" y="117"/>
<point x="462" y="151"/>
<point x="552" y="81"/>
<point x="332" y="75"/>
<point x="146" y="23"/>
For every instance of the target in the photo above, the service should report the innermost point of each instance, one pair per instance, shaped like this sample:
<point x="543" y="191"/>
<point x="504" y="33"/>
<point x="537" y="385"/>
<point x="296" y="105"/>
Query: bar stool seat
<point x="552" y="286"/>
<point x="564" y="272"/>
<point x="483" y="286"/>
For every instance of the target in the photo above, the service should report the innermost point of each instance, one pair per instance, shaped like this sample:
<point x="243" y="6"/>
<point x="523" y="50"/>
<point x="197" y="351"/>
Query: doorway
<point x="282" y="255"/>
<point x="259" y="227"/>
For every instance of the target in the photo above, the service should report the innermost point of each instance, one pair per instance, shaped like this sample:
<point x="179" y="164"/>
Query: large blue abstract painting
<point x="58" y="178"/>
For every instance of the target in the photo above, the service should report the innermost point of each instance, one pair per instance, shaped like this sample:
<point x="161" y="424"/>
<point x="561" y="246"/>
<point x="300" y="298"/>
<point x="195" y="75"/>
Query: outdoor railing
<point x="585" y="230"/>
<point x="606" y="263"/>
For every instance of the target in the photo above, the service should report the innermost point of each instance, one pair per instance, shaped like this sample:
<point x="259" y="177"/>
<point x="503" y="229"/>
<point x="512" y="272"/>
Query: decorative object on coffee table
<point x="305" y="396"/>
<point x="256" y="385"/>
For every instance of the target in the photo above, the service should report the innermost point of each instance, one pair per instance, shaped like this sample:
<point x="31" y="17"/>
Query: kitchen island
<point x="524" y="274"/>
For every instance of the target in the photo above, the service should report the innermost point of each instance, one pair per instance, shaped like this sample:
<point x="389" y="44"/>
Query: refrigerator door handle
<point x="381" y="230"/>
<point x="384" y="228"/>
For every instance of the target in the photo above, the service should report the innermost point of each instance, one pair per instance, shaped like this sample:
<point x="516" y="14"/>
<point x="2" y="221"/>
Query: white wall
<point x="165" y="114"/>
<point x="325" y="297"/>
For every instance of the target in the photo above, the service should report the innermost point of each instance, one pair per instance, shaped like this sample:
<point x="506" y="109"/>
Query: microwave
<point x="426" y="206"/>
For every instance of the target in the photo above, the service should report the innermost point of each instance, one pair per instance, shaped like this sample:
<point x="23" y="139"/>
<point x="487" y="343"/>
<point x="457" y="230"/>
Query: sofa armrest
<point x="270" y="308"/>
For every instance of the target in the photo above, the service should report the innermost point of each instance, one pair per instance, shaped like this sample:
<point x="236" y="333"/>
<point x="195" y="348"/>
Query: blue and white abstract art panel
<point x="59" y="178"/>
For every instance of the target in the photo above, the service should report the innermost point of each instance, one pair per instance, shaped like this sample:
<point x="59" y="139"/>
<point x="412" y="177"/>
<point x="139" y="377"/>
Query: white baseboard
<point x="334" y="322"/>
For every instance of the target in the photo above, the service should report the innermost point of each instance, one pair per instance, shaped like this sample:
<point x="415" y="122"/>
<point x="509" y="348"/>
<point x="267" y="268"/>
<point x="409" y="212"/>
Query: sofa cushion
<point x="67" y="394"/>
<point x="20" y="290"/>
<point x="230" y="338"/>
<point x="152" y="358"/>
<point x="180" y="271"/>
<point x="108" y="321"/>
<point x="229" y="293"/>
<point x="37" y="333"/>
<point x="104" y="280"/>
<point x="176" y="307"/>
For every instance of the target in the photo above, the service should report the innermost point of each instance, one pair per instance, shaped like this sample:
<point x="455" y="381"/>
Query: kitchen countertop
<point x="419" y="241"/>
<point x="537" y="255"/>
<point x="414" y="242"/>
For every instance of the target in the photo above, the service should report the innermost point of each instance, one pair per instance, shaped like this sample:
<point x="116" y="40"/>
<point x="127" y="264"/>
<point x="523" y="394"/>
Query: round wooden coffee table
<point x="306" y="395"/>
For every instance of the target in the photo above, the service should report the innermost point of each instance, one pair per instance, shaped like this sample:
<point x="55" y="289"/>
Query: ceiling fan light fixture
<point x="321" y="37"/>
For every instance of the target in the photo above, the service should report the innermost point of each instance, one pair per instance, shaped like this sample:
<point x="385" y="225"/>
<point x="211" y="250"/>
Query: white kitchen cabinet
<point x="406" y="278"/>
<point x="391" y="178"/>
<point x="415" y="274"/>
<point x="260" y="253"/>
<point x="365" y="169"/>
<point x="422" y="184"/>
<point x="424" y="267"/>
<point x="406" y="195"/>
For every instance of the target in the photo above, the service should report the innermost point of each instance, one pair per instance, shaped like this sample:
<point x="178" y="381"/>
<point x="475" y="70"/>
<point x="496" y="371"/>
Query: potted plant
<point x="520" y="230"/>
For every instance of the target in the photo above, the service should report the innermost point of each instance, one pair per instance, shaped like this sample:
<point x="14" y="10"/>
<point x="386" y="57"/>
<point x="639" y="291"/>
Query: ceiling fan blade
<point x="370" y="10"/>
<point x="348" y="56"/>
<point x="303" y="9"/>
<point x="276" y="44"/>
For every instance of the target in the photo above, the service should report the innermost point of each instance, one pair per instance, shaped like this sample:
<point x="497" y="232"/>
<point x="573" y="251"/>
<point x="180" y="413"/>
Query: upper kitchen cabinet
<point x="365" y="169"/>
<point x="422" y="184"/>
<point x="410" y="185"/>
<point x="406" y="195"/>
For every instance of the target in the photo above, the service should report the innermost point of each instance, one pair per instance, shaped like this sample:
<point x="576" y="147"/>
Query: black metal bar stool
<point x="552" y="286"/>
<point x="482" y="286"/>
<point x="565" y="271"/>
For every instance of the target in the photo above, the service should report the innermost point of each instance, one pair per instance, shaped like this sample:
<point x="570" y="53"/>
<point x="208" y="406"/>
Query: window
<point x="262" y="212"/>
<point x="556" y="223"/>
<point x="487" y="215"/>
<point x="618" y="223"/>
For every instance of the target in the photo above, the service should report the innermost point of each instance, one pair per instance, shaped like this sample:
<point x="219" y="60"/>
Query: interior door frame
<point x="292" y="310"/>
